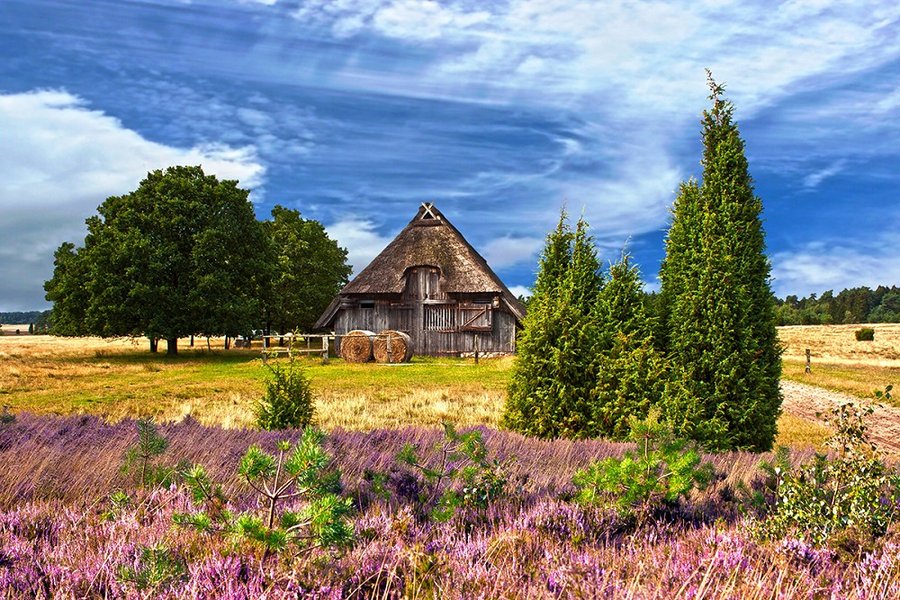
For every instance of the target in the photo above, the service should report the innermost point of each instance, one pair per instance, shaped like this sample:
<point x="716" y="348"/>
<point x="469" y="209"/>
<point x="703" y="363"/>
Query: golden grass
<point x="799" y="432"/>
<point x="836" y="344"/>
<point x="119" y="379"/>
<point x="860" y="380"/>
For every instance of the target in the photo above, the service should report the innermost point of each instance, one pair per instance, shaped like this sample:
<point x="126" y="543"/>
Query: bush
<point x="865" y="334"/>
<point x="852" y="493"/>
<point x="658" y="474"/>
<point x="288" y="402"/>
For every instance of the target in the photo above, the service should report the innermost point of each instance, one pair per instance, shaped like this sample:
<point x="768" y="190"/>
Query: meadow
<point x="65" y="533"/>
<point x="118" y="379"/>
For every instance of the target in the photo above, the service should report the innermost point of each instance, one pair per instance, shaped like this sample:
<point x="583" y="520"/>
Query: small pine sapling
<point x="207" y="495"/>
<point x="759" y="495"/>
<point x="7" y="417"/>
<point x="295" y="472"/>
<point x="298" y="471"/>
<point x="288" y="402"/>
<point x="660" y="472"/>
<point x="156" y="568"/>
<point x="463" y="461"/>
<point x="140" y="458"/>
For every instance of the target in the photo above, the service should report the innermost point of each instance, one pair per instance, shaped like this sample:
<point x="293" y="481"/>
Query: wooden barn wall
<point x="409" y="319"/>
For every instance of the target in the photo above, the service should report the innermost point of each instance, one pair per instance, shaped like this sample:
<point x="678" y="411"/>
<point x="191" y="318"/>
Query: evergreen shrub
<point x="865" y="334"/>
<point x="288" y="402"/>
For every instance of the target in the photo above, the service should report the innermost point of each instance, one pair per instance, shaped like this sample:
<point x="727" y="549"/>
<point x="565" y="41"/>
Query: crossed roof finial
<point x="428" y="214"/>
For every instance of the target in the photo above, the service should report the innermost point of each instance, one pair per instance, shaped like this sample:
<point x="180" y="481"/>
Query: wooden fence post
<point x="476" y="344"/>
<point x="808" y="365"/>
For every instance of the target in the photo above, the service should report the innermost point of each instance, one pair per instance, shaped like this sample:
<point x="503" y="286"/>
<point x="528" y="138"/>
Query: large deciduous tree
<point x="182" y="254"/>
<point x="308" y="270"/>
<point x="721" y="340"/>
<point x="67" y="289"/>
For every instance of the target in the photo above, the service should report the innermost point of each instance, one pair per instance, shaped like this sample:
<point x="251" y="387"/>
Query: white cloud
<point x="820" y="266"/>
<point x="815" y="178"/>
<point x="520" y="290"/>
<point x="361" y="239"/>
<point x="633" y="199"/>
<point x="424" y="19"/>
<point x="508" y="250"/>
<point x="60" y="161"/>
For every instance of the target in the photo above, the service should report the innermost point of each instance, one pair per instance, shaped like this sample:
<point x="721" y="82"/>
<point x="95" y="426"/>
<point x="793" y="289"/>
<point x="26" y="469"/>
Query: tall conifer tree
<point x="549" y="394"/>
<point x="721" y="339"/>
<point x="630" y="372"/>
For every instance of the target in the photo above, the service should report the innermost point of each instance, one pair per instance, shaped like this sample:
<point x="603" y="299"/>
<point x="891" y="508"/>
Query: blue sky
<point x="355" y="111"/>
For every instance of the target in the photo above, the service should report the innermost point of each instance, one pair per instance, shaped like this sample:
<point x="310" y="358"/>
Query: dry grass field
<point x="836" y="344"/>
<point x="839" y="362"/>
<point x="11" y="328"/>
<point x="116" y="379"/>
<point x="120" y="378"/>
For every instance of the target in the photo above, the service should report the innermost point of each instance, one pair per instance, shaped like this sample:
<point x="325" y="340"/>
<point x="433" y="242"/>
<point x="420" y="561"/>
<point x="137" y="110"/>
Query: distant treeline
<point x="854" y="305"/>
<point x="40" y="318"/>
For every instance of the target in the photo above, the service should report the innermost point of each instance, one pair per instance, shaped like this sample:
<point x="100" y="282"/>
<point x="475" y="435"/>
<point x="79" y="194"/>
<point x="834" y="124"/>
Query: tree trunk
<point x="227" y="342"/>
<point x="172" y="344"/>
<point x="192" y="340"/>
<point x="154" y="344"/>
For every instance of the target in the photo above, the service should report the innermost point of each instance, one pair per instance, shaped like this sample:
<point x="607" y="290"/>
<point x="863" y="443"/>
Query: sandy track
<point x="805" y="401"/>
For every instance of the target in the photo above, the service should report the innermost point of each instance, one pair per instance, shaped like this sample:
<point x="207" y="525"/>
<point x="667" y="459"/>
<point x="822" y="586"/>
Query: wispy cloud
<point x="835" y="265"/>
<point x="507" y="250"/>
<point x="361" y="238"/>
<point x="813" y="180"/>
<point x="499" y="111"/>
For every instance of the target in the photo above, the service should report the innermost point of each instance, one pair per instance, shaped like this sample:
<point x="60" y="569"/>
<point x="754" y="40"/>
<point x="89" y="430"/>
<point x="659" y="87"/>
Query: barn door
<point x="423" y="285"/>
<point x="475" y="317"/>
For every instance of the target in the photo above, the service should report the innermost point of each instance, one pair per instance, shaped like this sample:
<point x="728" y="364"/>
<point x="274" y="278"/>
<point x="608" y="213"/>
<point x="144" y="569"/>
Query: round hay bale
<point x="401" y="347"/>
<point x="356" y="346"/>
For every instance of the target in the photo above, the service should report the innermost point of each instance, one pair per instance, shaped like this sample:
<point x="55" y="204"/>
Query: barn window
<point x="440" y="317"/>
<point x="367" y="304"/>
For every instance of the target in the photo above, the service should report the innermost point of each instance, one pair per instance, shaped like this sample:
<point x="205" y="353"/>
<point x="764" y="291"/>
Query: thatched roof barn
<point x="430" y="283"/>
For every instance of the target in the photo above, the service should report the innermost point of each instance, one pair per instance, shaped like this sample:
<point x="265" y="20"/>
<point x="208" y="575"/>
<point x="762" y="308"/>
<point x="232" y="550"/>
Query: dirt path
<point x="805" y="401"/>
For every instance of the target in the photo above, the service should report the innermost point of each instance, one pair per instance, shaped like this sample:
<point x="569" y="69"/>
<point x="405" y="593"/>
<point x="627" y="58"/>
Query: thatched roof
<point x="429" y="239"/>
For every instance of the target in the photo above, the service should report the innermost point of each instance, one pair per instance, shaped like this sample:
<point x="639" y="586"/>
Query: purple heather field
<point x="57" y="539"/>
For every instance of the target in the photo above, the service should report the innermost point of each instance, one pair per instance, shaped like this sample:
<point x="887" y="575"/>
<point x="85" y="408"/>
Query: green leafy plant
<point x="118" y="502"/>
<point x="849" y="492"/>
<point x="463" y="475"/>
<point x="298" y="471"/>
<point x="140" y="459"/>
<point x="865" y="334"/>
<point x="658" y="473"/>
<point x="157" y="568"/>
<point x="7" y="417"/>
<point x="288" y="402"/>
